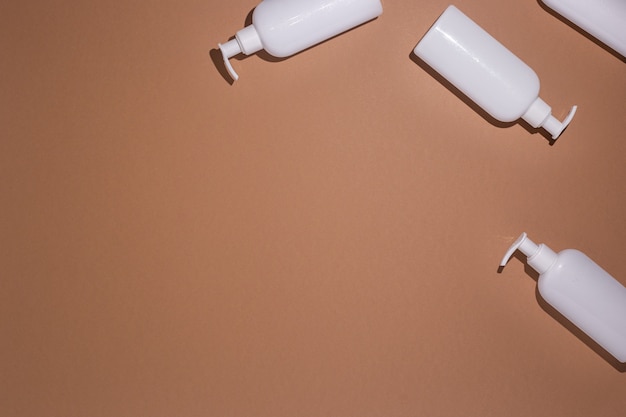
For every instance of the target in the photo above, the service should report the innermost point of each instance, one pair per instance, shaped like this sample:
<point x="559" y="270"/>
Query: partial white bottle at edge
<point x="286" y="27"/>
<point x="581" y="291"/>
<point x="603" y="19"/>
<point x="487" y="72"/>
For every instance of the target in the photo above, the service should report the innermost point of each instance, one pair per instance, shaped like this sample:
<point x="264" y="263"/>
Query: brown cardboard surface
<point x="320" y="238"/>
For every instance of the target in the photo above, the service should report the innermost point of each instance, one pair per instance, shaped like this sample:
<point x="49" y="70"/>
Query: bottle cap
<point x="246" y="41"/>
<point x="539" y="114"/>
<point x="540" y="257"/>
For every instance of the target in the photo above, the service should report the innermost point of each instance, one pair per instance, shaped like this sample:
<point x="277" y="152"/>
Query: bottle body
<point x="286" y="27"/>
<point x="589" y="297"/>
<point x="478" y="65"/>
<point x="603" y="19"/>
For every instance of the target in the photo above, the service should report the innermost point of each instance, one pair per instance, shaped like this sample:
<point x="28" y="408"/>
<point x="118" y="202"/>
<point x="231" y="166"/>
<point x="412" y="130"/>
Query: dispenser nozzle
<point x="539" y="114"/>
<point x="246" y="41"/>
<point x="513" y="248"/>
<point x="540" y="257"/>
<point x="229" y="50"/>
<point x="555" y="127"/>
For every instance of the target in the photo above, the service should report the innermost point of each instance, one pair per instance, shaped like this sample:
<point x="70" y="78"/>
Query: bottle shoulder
<point x="572" y="257"/>
<point x="571" y="262"/>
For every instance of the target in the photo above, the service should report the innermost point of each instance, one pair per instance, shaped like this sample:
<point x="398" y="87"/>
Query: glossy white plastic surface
<point x="603" y="19"/>
<point x="285" y="27"/>
<point x="581" y="290"/>
<point x="487" y="72"/>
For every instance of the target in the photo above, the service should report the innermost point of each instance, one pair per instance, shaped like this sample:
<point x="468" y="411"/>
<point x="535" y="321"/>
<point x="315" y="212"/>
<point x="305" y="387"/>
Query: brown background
<point x="321" y="238"/>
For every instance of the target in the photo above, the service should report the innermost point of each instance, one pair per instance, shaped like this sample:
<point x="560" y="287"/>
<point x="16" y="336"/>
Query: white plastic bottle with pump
<point x="487" y="72"/>
<point x="603" y="19"/>
<point x="581" y="291"/>
<point x="285" y="27"/>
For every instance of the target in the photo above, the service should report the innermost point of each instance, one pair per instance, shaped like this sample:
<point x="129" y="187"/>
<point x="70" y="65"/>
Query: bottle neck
<point x="543" y="259"/>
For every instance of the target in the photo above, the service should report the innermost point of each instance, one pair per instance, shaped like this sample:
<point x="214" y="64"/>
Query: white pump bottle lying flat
<point x="286" y="27"/>
<point x="487" y="72"/>
<point x="581" y="290"/>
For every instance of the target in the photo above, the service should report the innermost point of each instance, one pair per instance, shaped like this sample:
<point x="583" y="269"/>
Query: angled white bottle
<point x="580" y="290"/>
<point x="487" y="72"/>
<point x="285" y="27"/>
<point x="603" y="19"/>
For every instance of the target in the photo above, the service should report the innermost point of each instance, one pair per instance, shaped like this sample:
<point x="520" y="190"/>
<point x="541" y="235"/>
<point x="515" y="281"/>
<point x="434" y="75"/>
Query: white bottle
<point x="603" y="19"/>
<point x="582" y="291"/>
<point x="487" y="72"/>
<point x="285" y="27"/>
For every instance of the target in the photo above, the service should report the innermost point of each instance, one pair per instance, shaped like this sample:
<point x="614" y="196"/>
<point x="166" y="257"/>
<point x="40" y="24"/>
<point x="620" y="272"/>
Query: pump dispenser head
<point x="246" y="41"/>
<point x="539" y="114"/>
<point x="540" y="257"/>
